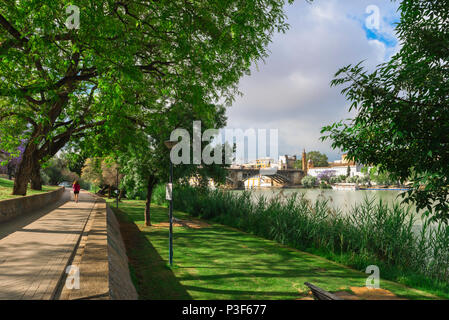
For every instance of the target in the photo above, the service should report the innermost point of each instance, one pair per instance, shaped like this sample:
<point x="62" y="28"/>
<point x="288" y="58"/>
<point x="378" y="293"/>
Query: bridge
<point x="288" y="177"/>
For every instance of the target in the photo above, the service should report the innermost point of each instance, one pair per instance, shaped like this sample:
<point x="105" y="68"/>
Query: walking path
<point x="35" y="253"/>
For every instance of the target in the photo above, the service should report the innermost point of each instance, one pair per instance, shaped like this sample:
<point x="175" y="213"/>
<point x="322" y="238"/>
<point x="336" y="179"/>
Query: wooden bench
<point x="320" y="294"/>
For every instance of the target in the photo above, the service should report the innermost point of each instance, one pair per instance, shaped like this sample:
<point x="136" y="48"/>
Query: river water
<point x="342" y="200"/>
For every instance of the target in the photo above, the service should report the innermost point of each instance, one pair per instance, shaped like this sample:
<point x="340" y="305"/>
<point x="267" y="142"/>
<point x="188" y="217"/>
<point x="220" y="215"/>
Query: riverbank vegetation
<point x="371" y="176"/>
<point x="401" y="107"/>
<point x="213" y="261"/>
<point x="371" y="234"/>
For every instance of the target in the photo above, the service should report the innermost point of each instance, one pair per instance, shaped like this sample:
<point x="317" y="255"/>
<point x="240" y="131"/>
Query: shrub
<point x="354" y="179"/>
<point x="334" y="180"/>
<point x="158" y="196"/>
<point x="324" y="185"/>
<point x="309" y="181"/>
<point x="365" y="179"/>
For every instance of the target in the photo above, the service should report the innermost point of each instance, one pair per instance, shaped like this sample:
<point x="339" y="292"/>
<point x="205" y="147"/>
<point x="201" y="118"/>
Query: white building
<point x="339" y="167"/>
<point x="354" y="170"/>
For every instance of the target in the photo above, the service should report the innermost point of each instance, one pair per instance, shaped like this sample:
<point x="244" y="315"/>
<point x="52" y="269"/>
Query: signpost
<point x="168" y="191"/>
<point x="169" y="196"/>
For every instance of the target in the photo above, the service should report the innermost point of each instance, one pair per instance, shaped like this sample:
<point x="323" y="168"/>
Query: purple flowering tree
<point x="326" y="175"/>
<point x="12" y="164"/>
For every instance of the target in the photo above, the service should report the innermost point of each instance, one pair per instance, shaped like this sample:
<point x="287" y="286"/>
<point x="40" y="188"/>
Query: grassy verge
<point x="219" y="262"/>
<point x="372" y="234"/>
<point x="6" y="187"/>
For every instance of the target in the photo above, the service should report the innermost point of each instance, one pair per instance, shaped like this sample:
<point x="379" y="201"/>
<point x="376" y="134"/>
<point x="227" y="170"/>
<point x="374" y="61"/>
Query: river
<point x="343" y="200"/>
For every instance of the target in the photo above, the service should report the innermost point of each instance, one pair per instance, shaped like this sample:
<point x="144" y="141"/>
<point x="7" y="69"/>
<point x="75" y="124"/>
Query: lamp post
<point x="170" y="144"/>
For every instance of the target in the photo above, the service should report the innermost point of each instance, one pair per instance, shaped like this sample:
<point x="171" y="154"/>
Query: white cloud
<point x="292" y="92"/>
<point x="380" y="48"/>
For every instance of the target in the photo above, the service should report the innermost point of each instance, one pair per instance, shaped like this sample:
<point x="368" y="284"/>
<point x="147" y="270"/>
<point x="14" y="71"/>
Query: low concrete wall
<point x="120" y="284"/>
<point x="11" y="208"/>
<point x="102" y="261"/>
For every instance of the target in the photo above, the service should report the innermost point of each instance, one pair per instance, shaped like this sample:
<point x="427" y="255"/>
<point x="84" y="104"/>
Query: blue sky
<point x="290" y="91"/>
<point x="384" y="34"/>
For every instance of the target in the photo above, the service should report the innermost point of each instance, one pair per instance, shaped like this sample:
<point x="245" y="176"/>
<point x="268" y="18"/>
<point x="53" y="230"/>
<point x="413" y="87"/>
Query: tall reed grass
<point x="372" y="233"/>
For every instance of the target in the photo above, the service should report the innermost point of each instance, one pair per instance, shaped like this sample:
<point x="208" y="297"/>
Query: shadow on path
<point x="6" y="228"/>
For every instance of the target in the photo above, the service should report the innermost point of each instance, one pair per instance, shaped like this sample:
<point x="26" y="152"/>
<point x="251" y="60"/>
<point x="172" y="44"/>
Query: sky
<point x="291" y="90"/>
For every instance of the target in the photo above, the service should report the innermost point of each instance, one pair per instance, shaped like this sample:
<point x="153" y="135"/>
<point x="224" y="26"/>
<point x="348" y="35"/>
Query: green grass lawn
<point x="7" y="185"/>
<point x="219" y="262"/>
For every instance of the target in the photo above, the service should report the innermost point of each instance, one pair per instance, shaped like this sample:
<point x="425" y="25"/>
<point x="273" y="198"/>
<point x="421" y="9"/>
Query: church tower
<point x="304" y="162"/>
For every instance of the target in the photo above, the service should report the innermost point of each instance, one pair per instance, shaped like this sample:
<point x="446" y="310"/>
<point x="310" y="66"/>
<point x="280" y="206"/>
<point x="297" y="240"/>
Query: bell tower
<point x="304" y="162"/>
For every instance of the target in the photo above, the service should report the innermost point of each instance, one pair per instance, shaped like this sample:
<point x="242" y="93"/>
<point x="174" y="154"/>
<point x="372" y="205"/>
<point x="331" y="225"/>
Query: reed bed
<point x="373" y="233"/>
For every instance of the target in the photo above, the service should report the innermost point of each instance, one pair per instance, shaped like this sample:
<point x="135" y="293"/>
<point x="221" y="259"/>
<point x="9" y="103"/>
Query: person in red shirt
<point x="76" y="190"/>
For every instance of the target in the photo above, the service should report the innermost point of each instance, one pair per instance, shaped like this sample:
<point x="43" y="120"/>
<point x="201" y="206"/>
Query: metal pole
<point x="171" y="218"/>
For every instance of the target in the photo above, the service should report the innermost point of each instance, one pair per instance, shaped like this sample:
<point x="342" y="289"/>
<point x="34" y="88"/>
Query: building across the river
<point x="286" y="162"/>
<point x="339" y="167"/>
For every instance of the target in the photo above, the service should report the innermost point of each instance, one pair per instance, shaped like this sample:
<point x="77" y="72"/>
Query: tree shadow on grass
<point x="238" y="266"/>
<point x="220" y="262"/>
<point x="149" y="271"/>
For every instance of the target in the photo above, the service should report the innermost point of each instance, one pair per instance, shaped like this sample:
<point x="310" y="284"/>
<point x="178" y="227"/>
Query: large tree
<point x="319" y="159"/>
<point x="402" y="121"/>
<point x="145" y="160"/>
<point x="127" y="58"/>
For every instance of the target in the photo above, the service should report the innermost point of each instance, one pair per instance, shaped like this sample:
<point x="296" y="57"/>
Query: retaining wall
<point x="11" y="208"/>
<point x="102" y="261"/>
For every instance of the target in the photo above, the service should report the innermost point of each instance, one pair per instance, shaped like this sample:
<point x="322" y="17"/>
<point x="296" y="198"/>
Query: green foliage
<point x="52" y="173"/>
<point x="319" y="159"/>
<point x="353" y="179"/>
<point x="404" y="252"/>
<point x="402" y="124"/>
<point x="380" y="177"/>
<point x="75" y="161"/>
<point x="334" y="180"/>
<point x="92" y="171"/>
<point x="337" y="179"/>
<point x="309" y="181"/>
<point x="127" y="63"/>
<point x="159" y="195"/>
<point x="221" y="257"/>
<point x="56" y="170"/>
<point x="324" y="185"/>
<point x="146" y="161"/>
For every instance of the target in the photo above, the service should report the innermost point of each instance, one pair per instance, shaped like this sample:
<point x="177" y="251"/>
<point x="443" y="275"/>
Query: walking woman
<point x="76" y="190"/>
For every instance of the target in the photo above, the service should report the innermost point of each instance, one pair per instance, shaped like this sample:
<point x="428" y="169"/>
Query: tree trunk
<point x="151" y="183"/>
<point x="23" y="175"/>
<point x="36" y="179"/>
<point x="10" y="170"/>
<point x="102" y="190"/>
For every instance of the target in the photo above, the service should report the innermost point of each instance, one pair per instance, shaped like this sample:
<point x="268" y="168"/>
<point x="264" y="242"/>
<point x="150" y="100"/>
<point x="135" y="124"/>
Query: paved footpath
<point x="34" y="254"/>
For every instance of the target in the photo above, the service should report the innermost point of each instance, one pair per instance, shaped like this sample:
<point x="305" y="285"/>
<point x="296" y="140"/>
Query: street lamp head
<point x="170" y="144"/>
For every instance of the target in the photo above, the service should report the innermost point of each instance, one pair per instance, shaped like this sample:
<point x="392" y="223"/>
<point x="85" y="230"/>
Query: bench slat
<point x="321" y="294"/>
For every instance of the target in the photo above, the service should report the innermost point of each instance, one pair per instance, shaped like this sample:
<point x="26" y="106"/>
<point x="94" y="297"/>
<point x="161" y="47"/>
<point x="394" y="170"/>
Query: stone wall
<point x="11" y="208"/>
